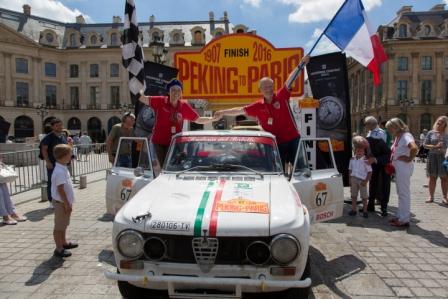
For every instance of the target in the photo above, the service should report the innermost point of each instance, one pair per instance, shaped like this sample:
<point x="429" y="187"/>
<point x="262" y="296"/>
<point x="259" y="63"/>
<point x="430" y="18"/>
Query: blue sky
<point x="286" y="23"/>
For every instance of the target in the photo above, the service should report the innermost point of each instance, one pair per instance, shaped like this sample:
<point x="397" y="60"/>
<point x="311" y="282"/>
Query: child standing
<point x="360" y="174"/>
<point x="63" y="197"/>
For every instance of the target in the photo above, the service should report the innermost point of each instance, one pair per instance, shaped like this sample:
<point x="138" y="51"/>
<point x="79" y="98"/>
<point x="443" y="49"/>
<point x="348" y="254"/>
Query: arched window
<point x="72" y="40"/>
<point x="23" y="127"/>
<point x="403" y="30"/>
<point x="49" y="37"/>
<point x="427" y="30"/>
<point x="111" y="122"/>
<point x="198" y="37"/>
<point x="425" y="121"/>
<point x="93" y="40"/>
<point x="94" y="128"/>
<point x="74" y="124"/>
<point x="114" y="39"/>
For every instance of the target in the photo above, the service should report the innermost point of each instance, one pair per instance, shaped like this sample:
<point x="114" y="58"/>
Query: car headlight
<point x="155" y="249"/>
<point x="258" y="253"/>
<point x="284" y="249"/>
<point x="130" y="243"/>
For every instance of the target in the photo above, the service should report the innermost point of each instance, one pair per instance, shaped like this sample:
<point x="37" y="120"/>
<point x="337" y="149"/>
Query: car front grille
<point x="223" y="251"/>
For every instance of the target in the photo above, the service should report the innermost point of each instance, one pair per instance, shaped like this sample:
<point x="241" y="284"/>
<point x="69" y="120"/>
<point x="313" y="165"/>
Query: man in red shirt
<point x="171" y="111"/>
<point x="274" y="114"/>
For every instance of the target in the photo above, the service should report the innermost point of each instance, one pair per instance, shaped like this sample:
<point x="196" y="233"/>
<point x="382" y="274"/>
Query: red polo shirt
<point x="276" y="117"/>
<point x="168" y="117"/>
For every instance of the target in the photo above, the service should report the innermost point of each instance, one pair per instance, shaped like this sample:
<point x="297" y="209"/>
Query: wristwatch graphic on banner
<point x="330" y="113"/>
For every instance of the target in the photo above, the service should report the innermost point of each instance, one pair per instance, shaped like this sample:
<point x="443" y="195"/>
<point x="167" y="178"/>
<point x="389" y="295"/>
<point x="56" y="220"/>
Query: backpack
<point x="40" y="148"/>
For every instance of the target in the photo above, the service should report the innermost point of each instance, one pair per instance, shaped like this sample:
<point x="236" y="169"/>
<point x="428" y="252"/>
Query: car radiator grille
<point x="186" y="249"/>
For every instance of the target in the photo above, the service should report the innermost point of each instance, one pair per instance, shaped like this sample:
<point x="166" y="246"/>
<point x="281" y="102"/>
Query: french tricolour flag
<point x="350" y="31"/>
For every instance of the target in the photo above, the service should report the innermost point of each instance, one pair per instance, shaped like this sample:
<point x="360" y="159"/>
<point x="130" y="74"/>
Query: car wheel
<point x="130" y="291"/>
<point x="300" y="293"/>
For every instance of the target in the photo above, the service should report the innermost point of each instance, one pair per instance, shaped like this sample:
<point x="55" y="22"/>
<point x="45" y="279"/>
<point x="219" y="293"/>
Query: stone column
<point x="439" y="80"/>
<point x="103" y="76"/>
<point x="391" y="84"/>
<point x="64" y="98"/>
<point x="415" y="70"/>
<point x="36" y="69"/>
<point x="9" y="100"/>
<point x="84" y="93"/>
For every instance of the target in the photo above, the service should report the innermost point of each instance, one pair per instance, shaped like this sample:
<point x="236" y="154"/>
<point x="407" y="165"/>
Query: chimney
<point x="404" y="9"/>
<point x="26" y="9"/>
<point x="226" y="22"/>
<point x="116" y="19"/>
<point x="438" y="7"/>
<point x="211" y="16"/>
<point x="80" y="20"/>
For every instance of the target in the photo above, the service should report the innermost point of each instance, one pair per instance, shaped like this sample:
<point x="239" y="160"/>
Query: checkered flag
<point x="133" y="59"/>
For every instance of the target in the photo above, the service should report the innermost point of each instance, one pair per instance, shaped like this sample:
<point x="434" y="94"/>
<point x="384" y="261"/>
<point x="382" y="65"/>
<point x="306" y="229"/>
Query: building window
<point x="426" y="63"/>
<point x="114" y="70"/>
<point x="72" y="40"/>
<point x="402" y="64"/>
<point x="198" y="37"/>
<point x="114" y="39"/>
<point x="115" y="96"/>
<point x="93" y="40"/>
<point x="402" y="90"/>
<point x="21" y="66"/>
<point x="50" y="95"/>
<point x="446" y="91"/>
<point x="74" y="97"/>
<point x="22" y="93"/>
<point x="49" y="37"/>
<point x="426" y="91"/>
<point x="427" y="30"/>
<point x="94" y="70"/>
<point x="74" y="71"/>
<point x="50" y="69"/>
<point x="403" y="30"/>
<point x="94" y="96"/>
<point x="425" y="122"/>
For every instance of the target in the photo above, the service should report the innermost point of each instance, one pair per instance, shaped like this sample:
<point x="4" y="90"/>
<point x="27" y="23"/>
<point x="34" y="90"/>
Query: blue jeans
<point x="49" y="174"/>
<point x="124" y="161"/>
<point x="6" y="205"/>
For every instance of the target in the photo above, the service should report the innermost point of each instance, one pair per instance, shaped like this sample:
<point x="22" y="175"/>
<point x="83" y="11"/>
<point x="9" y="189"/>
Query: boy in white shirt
<point x="360" y="174"/>
<point x="63" y="197"/>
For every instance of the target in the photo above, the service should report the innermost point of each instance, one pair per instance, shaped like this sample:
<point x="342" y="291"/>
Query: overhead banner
<point x="327" y="75"/>
<point x="231" y="66"/>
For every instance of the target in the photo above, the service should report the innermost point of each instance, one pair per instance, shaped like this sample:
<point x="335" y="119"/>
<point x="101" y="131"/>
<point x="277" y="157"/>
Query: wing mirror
<point x="138" y="171"/>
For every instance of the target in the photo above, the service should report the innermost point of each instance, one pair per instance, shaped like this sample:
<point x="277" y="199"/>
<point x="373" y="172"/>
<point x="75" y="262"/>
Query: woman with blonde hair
<point x="403" y="152"/>
<point x="436" y="142"/>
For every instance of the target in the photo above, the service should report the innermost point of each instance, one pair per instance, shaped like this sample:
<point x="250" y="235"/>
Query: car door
<point x="131" y="171"/>
<point x="317" y="180"/>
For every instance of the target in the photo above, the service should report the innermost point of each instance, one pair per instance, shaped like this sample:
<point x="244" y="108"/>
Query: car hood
<point x="215" y="206"/>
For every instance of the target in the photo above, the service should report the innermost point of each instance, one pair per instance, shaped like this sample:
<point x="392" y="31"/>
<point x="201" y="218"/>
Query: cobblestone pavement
<point x="352" y="257"/>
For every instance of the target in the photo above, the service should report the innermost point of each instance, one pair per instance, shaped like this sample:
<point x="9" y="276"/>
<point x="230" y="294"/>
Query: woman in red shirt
<point x="171" y="111"/>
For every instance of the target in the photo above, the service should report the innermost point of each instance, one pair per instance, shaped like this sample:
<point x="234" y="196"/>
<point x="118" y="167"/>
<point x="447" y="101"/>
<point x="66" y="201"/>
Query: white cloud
<point x="51" y="9"/>
<point x="308" y="11"/>
<point x="324" y="45"/>
<point x="254" y="3"/>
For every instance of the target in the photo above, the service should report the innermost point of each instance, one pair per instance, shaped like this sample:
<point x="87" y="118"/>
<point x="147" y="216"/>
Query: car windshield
<point x="204" y="153"/>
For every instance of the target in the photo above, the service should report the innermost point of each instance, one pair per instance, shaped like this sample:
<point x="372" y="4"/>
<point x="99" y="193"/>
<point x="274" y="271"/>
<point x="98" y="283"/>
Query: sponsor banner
<point x="229" y="67"/>
<point x="241" y="205"/>
<point x="327" y="75"/>
<point x="262" y="140"/>
<point x="157" y="76"/>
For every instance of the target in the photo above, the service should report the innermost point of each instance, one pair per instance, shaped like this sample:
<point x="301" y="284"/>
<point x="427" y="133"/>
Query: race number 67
<point x="125" y="194"/>
<point x="321" y="198"/>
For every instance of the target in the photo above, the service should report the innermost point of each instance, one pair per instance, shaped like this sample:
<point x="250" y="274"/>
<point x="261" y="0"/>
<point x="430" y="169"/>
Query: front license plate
<point x="170" y="225"/>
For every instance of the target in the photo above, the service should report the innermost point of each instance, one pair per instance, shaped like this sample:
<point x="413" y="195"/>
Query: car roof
<point x="226" y="133"/>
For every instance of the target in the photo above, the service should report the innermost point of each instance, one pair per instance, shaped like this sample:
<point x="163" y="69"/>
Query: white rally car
<point x="222" y="219"/>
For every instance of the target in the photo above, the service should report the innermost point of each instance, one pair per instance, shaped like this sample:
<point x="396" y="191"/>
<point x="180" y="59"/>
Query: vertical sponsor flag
<point x="351" y="32"/>
<point x="133" y="59"/>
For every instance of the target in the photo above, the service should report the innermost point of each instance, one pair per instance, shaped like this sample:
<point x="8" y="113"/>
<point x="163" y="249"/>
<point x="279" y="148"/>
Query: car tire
<point x="300" y="293"/>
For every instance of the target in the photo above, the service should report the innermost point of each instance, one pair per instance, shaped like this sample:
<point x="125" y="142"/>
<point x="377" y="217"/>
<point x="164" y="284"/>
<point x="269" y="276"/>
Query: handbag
<point x="7" y="174"/>
<point x="389" y="168"/>
<point x="445" y="164"/>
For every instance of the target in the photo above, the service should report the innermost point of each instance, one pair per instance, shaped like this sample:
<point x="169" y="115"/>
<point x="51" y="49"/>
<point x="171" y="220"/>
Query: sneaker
<point x="62" y="253"/>
<point x="365" y="215"/>
<point x="352" y="213"/>
<point x="51" y="206"/>
<point x="70" y="245"/>
<point x="384" y="213"/>
<point x="9" y="222"/>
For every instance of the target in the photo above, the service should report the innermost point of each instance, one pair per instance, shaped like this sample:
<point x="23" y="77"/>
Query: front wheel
<point x="130" y="291"/>
<point x="300" y="293"/>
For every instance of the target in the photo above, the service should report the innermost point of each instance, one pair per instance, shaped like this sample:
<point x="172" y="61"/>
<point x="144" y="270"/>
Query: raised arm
<point x="144" y="99"/>
<point x="296" y="72"/>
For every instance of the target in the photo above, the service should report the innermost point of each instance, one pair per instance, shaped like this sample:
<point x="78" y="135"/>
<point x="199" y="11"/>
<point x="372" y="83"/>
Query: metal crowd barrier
<point x="32" y="171"/>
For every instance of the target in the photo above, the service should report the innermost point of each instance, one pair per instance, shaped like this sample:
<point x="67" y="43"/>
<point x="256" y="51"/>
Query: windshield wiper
<point x="224" y="166"/>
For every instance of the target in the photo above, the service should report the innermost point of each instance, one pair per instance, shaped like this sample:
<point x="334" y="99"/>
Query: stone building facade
<point x="415" y="78"/>
<point x="75" y="70"/>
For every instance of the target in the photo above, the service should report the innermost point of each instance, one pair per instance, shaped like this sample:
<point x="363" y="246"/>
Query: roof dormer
<point x="49" y="38"/>
<point x="177" y="38"/>
<point x="155" y="35"/>
<point x="197" y="36"/>
<point x="240" y="28"/>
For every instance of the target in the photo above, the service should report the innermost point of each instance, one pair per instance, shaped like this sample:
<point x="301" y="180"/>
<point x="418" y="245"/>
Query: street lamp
<point x="404" y="104"/>
<point x="42" y="111"/>
<point x="158" y="49"/>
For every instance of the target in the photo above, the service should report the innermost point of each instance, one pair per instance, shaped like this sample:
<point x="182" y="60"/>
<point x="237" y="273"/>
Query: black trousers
<point x="379" y="188"/>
